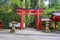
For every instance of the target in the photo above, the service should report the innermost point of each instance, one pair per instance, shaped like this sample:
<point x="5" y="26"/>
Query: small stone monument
<point x="47" y="27"/>
<point x="13" y="27"/>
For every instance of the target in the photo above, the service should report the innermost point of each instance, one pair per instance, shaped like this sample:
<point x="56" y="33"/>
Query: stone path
<point x="28" y="34"/>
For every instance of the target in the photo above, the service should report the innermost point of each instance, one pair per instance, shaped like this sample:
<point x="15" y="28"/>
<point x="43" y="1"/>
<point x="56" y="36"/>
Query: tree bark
<point x="23" y="4"/>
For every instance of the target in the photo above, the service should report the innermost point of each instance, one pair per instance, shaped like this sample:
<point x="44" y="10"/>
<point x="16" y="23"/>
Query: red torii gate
<point x="37" y="12"/>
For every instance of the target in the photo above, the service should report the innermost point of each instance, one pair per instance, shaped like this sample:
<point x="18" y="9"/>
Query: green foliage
<point x="54" y="2"/>
<point x="48" y="12"/>
<point x="41" y="4"/>
<point x="8" y="10"/>
<point x="16" y="2"/>
<point x="28" y="3"/>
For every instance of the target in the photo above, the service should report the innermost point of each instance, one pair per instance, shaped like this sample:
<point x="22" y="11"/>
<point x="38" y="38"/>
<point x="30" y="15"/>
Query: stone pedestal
<point x="12" y="30"/>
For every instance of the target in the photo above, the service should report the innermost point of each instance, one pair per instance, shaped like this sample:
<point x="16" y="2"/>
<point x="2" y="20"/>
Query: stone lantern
<point x="13" y="27"/>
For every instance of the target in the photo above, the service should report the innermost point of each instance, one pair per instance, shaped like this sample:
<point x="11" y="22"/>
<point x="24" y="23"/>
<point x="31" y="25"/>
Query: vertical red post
<point x="54" y="23"/>
<point x="38" y="20"/>
<point x="40" y="24"/>
<point x="22" y="19"/>
<point x="0" y="24"/>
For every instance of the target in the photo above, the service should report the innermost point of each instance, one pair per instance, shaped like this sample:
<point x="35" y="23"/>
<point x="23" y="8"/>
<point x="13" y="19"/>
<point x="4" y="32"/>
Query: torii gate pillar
<point x="22" y="19"/>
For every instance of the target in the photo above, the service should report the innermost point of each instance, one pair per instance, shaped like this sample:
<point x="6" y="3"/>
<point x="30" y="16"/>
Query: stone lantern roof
<point x="13" y="22"/>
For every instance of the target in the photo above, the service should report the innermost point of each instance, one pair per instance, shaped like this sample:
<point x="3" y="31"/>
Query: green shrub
<point x="48" y="12"/>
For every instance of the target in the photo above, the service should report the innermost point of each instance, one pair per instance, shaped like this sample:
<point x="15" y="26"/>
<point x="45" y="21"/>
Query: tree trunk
<point x="23" y="4"/>
<point x="38" y="3"/>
